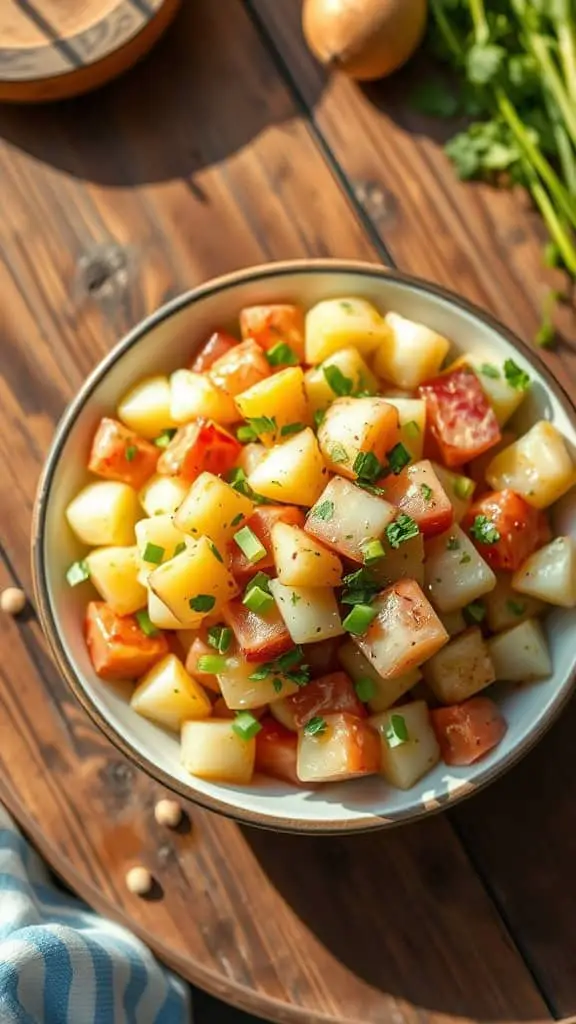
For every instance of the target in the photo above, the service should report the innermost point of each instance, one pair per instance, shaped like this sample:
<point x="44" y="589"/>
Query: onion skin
<point x="366" y="39"/>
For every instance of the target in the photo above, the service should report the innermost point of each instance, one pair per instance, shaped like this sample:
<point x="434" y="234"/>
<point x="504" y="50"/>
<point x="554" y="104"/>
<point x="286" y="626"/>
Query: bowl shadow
<point x="173" y="114"/>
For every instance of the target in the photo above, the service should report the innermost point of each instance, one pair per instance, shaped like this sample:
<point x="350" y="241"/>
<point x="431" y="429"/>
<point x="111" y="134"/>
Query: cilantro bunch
<point x="516" y="62"/>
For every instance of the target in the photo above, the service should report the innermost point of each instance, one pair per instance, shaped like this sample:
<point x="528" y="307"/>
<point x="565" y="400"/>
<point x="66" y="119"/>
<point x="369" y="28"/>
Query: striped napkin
<point x="62" y="964"/>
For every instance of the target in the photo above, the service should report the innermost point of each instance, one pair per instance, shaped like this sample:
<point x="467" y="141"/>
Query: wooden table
<point x="229" y="147"/>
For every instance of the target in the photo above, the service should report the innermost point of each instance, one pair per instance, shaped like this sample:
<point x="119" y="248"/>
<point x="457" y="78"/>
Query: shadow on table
<point x="141" y="128"/>
<point x="406" y="912"/>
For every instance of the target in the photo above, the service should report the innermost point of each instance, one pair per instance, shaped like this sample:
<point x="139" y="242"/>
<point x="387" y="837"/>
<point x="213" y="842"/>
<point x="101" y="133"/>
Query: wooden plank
<point x="109" y="207"/>
<point x="484" y="243"/>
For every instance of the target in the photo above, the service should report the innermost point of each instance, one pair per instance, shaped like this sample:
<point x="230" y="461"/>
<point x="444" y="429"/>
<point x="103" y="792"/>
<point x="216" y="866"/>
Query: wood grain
<point x="111" y="207"/>
<point x="50" y="50"/>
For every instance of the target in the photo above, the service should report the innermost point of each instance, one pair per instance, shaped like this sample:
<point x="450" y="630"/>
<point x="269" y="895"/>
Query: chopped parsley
<point x="465" y="559"/>
<point x="294" y="598"/>
<point x="484" y="531"/>
<point x="453" y="544"/>
<point x="130" y="452"/>
<point x="367" y="467"/>
<point x="316" y="726"/>
<point x="339" y="383"/>
<point x="337" y="452"/>
<point x="282" y="354"/>
<point x="237" y="519"/>
<point x="78" y="573"/>
<point x="397" y="731"/>
<point x="325" y="511"/>
<point x="277" y="684"/>
<point x="489" y="370"/>
<point x="220" y="637"/>
<point x="319" y="417"/>
<point x="516" y="607"/>
<point x="412" y="429"/>
<point x="287" y="665"/>
<point x="516" y="377"/>
<point x="475" y="612"/>
<point x="398" y="457"/>
<point x="238" y="480"/>
<point x="348" y="307"/>
<point x="202" y="603"/>
<point x="291" y="428"/>
<point x="215" y="552"/>
<point x="402" y="529"/>
<point x="179" y="548"/>
<point x="371" y="488"/>
<point x="426" y="491"/>
<point x="360" y="587"/>
<point x="245" y="434"/>
<point x="163" y="439"/>
<point x="262" y="424"/>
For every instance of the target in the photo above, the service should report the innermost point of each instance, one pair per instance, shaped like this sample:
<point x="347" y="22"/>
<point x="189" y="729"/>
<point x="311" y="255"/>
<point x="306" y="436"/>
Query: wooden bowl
<point x="161" y="344"/>
<point x="51" y="50"/>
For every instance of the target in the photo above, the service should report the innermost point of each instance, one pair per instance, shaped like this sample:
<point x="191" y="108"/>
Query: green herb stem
<point x="481" y="27"/>
<point x="567" y="49"/>
<point x="541" y="51"/>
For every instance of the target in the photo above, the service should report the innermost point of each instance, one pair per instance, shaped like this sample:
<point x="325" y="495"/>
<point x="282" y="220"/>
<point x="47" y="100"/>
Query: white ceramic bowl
<point x="165" y="341"/>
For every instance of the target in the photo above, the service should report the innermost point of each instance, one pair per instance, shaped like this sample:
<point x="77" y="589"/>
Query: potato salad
<point x="313" y="550"/>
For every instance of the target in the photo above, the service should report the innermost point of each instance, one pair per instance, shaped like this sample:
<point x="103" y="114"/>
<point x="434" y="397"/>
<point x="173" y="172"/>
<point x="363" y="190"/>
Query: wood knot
<point x="104" y="272"/>
<point x="379" y="203"/>
<point x="119" y="776"/>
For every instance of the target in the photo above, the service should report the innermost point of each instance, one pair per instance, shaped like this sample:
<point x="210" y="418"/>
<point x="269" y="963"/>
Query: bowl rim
<point x="46" y="614"/>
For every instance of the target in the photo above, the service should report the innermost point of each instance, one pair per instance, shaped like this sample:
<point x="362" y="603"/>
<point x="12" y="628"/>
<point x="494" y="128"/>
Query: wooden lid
<point x="51" y="49"/>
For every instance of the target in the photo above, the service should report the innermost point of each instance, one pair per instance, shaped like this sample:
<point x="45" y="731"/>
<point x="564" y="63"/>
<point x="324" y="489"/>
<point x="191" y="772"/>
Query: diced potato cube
<point x="490" y="371"/>
<point x="412" y="419"/>
<point x="212" y="750"/>
<point x="162" y="495"/>
<point x="194" y="395"/>
<point x="409" y="745"/>
<point x="274" y="324"/>
<point x="161" y="616"/>
<point x="405" y="633"/>
<point x="301" y="561"/>
<point x="346" y="748"/>
<point x="310" y="613"/>
<point x="240" y="691"/>
<point x="158" y="540"/>
<point x="550" y="574"/>
<point x="334" y="324"/>
<point x="293" y="473"/>
<point x="117" y="646"/>
<point x="505" y="607"/>
<point x="280" y="398"/>
<point x="349" y="364"/>
<point x="194" y="583"/>
<point x="387" y="691"/>
<point x="537" y="466"/>
<point x="146" y="407"/>
<point x="460" y="669"/>
<point x="214" y="509"/>
<point x="411" y="353"/>
<point x="104" y="514"/>
<point x="401" y="563"/>
<point x="169" y="696"/>
<point x="455" y="574"/>
<point x="344" y="517"/>
<point x="459" y="489"/>
<point x="354" y="425"/>
<point x="521" y="654"/>
<point x="114" y="573"/>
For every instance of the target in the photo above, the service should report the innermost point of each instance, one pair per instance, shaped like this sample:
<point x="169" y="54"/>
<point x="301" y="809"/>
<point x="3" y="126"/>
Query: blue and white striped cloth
<point x="62" y="964"/>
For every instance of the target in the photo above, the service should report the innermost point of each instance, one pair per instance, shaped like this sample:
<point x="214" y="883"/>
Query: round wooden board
<point x="53" y="49"/>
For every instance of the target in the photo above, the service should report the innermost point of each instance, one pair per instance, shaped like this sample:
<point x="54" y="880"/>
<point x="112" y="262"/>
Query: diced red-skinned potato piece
<point x="198" y="649"/>
<point x="521" y="527"/>
<point x="345" y="516"/>
<point x="218" y="345"/>
<point x="118" y="648"/>
<point x="346" y="749"/>
<point x="459" y="417"/>
<point x="261" y="522"/>
<point x="418" y="493"/>
<point x="261" y="637"/>
<point x="468" y="731"/>
<point x="328" y="695"/>
<point x="269" y="325"/>
<point x="405" y="633"/>
<point x="276" y="752"/>
<point x="198" y="447"/>
<point x="119" y="454"/>
<point x="240" y="368"/>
